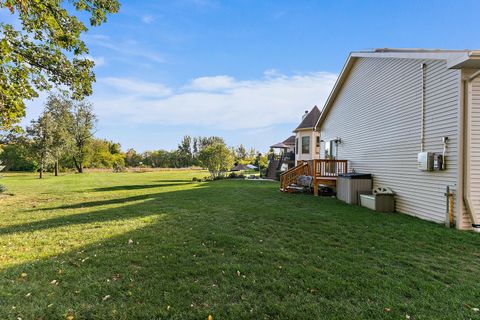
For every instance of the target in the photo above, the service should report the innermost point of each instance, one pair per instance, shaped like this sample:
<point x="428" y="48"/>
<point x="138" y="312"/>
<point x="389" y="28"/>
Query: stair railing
<point x="290" y="176"/>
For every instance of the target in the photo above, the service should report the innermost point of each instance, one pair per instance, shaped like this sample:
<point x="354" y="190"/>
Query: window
<point x="305" y="145"/>
<point x="330" y="149"/>
<point x="317" y="147"/>
<point x="296" y="145"/>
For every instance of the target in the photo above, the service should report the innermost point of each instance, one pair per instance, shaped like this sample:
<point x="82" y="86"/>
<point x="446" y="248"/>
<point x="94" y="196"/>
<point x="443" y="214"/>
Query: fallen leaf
<point x="55" y="282"/>
<point x="475" y="309"/>
<point x="28" y="294"/>
<point x="106" y="297"/>
<point x="210" y="317"/>
<point x="130" y="241"/>
<point x="168" y="308"/>
<point x="70" y="317"/>
<point x="386" y="309"/>
<point x="23" y="275"/>
<point x="50" y="305"/>
<point x="238" y="273"/>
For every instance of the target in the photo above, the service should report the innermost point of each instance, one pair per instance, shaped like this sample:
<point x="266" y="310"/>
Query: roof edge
<point x="456" y="59"/>
<point x="336" y="88"/>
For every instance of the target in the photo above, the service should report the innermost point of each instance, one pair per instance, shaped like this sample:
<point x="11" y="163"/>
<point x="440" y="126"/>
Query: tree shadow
<point x="141" y="186"/>
<point x="240" y="250"/>
<point x="91" y="204"/>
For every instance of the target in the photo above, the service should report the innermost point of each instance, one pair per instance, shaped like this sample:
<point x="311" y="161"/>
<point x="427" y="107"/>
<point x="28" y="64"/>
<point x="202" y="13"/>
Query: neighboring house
<point x="388" y="108"/>
<point x="307" y="139"/>
<point x="283" y="159"/>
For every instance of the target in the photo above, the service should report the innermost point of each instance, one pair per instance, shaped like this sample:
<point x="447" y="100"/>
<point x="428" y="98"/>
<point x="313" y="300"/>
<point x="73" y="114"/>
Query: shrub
<point x="3" y="188"/>
<point x="118" y="167"/>
<point x="217" y="158"/>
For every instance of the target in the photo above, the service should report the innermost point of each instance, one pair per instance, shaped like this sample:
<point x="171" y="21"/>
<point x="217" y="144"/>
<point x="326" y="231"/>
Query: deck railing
<point x="290" y="176"/>
<point x="329" y="167"/>
<point x="319" y="169"/>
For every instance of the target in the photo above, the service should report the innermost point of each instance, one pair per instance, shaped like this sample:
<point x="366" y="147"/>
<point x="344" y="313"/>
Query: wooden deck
<point x="323" y="171"/>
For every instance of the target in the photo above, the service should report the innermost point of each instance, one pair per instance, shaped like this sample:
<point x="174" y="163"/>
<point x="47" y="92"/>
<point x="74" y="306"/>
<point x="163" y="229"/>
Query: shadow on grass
<point x="239" y="250"/>
<point x="141" y="186"/>
<point x="91" y="204"/>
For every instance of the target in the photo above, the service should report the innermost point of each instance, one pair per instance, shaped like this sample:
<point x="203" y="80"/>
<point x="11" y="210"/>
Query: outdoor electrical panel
<point x="430" y="161"/>
<point x="425" y="161"/>
<point x="438" y="162"/>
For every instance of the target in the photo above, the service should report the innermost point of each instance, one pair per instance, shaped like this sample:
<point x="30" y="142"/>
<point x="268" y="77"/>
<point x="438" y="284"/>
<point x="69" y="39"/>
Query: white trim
<point x="450" y="55"/>
<point x="434" y="55"/>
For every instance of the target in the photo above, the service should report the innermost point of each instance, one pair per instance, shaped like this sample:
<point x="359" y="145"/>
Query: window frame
<point x="306" y="146"/>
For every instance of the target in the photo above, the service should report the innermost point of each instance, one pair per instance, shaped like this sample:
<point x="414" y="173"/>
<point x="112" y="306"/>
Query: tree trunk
<point x="78" y="165"/>
<point x="41" y="172"/>
<point x="56" y="168"/>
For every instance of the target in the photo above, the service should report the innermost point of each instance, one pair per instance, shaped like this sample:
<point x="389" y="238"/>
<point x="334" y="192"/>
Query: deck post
<point x="315" y="183"/>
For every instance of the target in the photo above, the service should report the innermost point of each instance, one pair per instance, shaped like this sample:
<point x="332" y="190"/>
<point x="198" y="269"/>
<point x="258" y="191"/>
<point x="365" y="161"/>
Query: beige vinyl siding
<point x="377" y="114"/>
<point x="314" y="152"/>
<point x="474" y="146"/>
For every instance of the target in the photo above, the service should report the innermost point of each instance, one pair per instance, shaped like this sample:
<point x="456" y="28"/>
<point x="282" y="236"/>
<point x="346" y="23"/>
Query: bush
<point x="232" y="175"/>
<point x="3" y="188"/>
<point x="118" y="167"/>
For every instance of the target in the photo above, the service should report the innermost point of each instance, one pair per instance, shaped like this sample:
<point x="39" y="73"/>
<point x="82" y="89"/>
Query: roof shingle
<point x="310" y="119"/>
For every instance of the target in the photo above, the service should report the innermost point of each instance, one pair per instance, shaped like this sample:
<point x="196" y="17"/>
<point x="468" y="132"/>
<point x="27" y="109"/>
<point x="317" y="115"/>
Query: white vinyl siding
<point x="474" y="146"/>
<point x="377" y="116"/>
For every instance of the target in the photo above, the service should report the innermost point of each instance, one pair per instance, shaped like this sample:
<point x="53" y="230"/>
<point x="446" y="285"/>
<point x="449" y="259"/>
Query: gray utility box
<point x="350" y="185"/>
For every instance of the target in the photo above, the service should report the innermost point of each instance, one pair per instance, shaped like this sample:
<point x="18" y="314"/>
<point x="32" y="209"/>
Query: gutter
<point x="464" y="159"/>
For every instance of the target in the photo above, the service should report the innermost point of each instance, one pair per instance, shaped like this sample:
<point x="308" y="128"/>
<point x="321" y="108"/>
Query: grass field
<point x="156" y="246"/>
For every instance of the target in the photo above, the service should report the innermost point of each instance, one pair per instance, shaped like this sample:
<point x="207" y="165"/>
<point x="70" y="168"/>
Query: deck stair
<point x="323" y="171"/>
<point x="289" y="177"/>
<point x="272" y="168"/>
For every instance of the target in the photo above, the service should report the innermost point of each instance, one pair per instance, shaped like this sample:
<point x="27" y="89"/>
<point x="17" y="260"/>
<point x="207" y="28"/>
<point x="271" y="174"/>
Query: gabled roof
<point x="310" y="120"/>
<point x="456" y="59"/>
<point x="290" y="141"/>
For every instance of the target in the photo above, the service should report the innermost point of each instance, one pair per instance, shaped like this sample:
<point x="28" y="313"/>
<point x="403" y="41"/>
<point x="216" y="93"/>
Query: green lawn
<point x="156" y="246"/>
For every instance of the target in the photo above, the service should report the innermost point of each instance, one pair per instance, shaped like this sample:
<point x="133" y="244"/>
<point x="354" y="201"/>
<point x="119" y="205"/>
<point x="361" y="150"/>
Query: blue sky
<point x="244" y="70"/>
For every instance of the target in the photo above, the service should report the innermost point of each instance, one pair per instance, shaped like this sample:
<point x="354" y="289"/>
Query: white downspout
<point x="422" y="129"/>
<point x="465" y="159"/>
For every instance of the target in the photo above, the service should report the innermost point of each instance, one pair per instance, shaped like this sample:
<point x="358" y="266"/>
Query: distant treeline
<point x="62" y="138"/>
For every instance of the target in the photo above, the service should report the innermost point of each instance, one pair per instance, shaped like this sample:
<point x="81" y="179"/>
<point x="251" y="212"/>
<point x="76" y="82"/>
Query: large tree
<point x="217" y="158"/>
<point x="81" y="128"/>
<point x="41" y="136"/>
<point x="185" y="153"/>
<point x="59" y="107"/>
<point x="46" y="51"/>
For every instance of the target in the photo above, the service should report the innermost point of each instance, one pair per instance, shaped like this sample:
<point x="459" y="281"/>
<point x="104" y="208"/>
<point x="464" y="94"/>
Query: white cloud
<point x="129" y="47"/>
<point x="99" y="61"/>
<point x="213" y="83"/>
<point x="220" y="102"/>
<point x="148" y="19"/>
<point x="135" y="87"/>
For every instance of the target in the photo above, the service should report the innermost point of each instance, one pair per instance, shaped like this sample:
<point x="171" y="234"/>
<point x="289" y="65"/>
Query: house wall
<point x="473" y="146"/>
<point x="377" y="114"/>
<point x="314" y="152"/>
